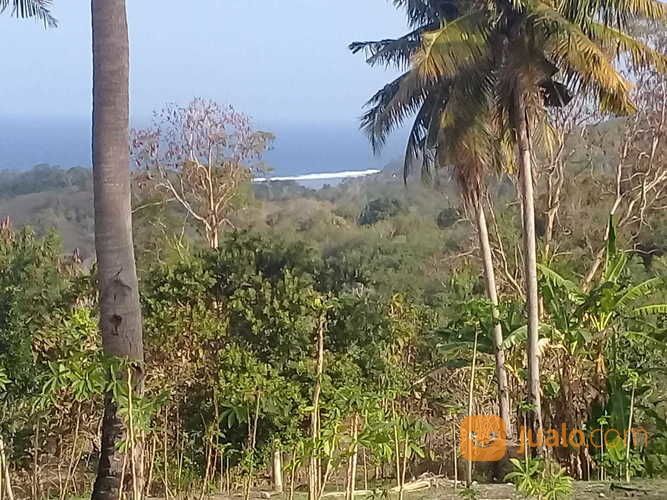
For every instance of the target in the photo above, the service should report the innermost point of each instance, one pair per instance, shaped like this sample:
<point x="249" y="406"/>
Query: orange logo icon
<point x="483" y="438"/>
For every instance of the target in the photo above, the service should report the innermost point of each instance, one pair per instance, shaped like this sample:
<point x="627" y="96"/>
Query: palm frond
<point x="391" y="52"/>
<point x="580" y="58"/>
<point x="505" y="156"/>
<point x="645" y="9"/>
<point x="613" y="13"/>
<point x="392" y="105"/>
<point x="420" y="12"/>
<point x="420" y="140"/>
<point x="467" y="143"/>
<point x="416" y="139"/>
<point x="641" y="55"/>
<point x="457" y="45"/>
<point x="441" y="99"/>
<point x="37" y="9"/>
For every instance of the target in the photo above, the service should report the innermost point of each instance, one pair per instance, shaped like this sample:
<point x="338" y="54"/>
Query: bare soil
<point x="645" y="489"/>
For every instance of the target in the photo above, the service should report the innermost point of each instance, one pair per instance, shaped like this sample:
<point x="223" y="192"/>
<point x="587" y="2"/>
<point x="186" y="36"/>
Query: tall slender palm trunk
<point x="314" y="468"/>
<point x="120" y="313"/>
<point x="497" y="331"/>
<point x="530" y="255"/>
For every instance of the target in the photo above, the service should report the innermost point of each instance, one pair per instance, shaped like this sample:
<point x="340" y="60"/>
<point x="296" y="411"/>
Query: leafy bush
<point x="378" y="210"/>
<point x="539" y="478"/>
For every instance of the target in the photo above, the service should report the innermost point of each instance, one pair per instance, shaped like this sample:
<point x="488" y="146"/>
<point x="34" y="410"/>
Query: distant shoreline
<point x="347" y="174"/>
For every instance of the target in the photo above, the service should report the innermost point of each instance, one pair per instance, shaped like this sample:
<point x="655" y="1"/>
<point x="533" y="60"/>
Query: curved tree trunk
<point x="530" y="255"/>
<point x="120" y="313"/>
<point x="497" y="332"/>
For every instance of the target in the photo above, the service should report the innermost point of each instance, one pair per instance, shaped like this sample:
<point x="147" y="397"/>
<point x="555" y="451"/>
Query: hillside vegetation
<point x="491" y="309"/>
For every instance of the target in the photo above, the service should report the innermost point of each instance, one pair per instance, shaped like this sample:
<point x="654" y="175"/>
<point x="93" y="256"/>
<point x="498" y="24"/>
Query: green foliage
<point x="242" y="341"/>
<point x="447" y="218"/>
<point x="230" y="336"/>
<point x="382" y="271"/>
<point x="537" y="478"/>
<point x="35" y="287"/>
<point x="470" y="493"/>
<point x="379" y="210"/>
<point x="50" y="362"/>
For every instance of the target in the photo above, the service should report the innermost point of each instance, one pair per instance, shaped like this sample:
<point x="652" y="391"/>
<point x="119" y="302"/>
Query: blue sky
<point x="277" y="60"/>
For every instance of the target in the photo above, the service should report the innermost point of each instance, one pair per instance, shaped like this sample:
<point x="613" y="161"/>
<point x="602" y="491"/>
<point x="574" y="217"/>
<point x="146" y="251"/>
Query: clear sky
<point x="277" y="60"/>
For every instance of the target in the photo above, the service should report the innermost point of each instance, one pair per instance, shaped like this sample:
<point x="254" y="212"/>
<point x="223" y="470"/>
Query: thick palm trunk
<point x="120" y="314"/>
<point x="530" y="256"/>
<point x="497" y="332"/>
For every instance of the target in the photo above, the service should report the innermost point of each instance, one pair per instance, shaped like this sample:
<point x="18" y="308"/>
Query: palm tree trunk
<point x="471" y="401"/>
<point x="277" y="470"/>
<point x="530" y="256"/>
<point x="314" y="469"/>
<point x="120" y="313"/>
<point x="497" y="332"/>
<point x="352" y="460"/>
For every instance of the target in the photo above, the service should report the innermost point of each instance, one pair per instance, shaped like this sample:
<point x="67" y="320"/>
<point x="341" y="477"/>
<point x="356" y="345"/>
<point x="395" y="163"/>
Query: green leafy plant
<point x="543" y="479"/>
<point x="469" y="493"/>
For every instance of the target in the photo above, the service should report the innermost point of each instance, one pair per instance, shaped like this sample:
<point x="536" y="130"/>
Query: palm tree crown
<point x="449" y="129"/>
<point x="527" y="44"/>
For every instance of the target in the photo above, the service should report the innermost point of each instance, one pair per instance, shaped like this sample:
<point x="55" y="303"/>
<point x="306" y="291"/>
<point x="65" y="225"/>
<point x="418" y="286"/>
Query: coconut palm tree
<point x="120" y="313"/>
<point x="38" y="9"/>
<point x="468" y="142"/>
<point x="446" y="130"/>
<point x="525" y="45"/>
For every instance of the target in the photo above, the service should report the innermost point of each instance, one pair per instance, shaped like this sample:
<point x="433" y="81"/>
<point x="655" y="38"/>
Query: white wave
<point x="348" y="174"/>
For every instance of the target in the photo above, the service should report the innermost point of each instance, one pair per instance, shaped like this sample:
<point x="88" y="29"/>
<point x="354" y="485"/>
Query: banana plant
<point x="601" y="333"/>
<point x="580" y="317"/>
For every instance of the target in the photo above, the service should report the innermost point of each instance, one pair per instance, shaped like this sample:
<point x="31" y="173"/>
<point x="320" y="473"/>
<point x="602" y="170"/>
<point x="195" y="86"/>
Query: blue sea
<point x="300" y="148"/>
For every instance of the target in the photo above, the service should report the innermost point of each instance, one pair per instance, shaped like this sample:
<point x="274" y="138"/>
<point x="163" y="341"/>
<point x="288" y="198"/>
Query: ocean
<point x="300" y="148"/>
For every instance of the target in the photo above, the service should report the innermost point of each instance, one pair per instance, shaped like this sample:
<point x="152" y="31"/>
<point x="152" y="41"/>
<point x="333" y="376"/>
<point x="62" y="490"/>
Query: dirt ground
<point x="646" y="490"/>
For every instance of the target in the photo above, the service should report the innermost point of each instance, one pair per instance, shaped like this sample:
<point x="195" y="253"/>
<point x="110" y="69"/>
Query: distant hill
<point x="51" y="199"/>
<point x="43" y="178"/>
<point x="67" y="212"/>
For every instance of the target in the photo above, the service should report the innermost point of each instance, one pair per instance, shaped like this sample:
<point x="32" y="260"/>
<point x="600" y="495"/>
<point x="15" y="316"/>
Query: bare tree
<point x="640" y="175"/>
<point x="200" y="156"/>
<point x="567" y="125"/>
